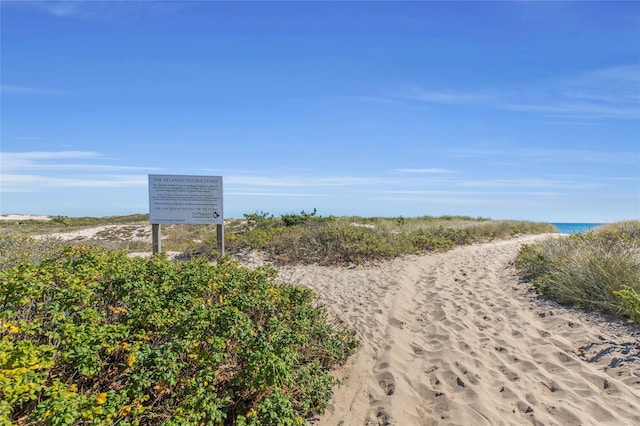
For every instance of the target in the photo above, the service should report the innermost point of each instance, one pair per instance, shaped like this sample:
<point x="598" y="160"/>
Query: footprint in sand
<point x="387" y="382"/>
<point x="396" y="323"/>
<point x="382" y="419"/>
<point x="417" y="349"/>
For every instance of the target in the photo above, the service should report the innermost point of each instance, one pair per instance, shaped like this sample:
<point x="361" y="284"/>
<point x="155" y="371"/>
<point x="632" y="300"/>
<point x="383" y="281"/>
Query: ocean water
<point x="575" y="228"/>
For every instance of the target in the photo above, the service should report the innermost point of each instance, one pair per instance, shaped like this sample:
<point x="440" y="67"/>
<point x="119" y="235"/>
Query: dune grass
<point x="598" y="270"/>
<point x="304" y="237"/>
<point x="308" y="238"/>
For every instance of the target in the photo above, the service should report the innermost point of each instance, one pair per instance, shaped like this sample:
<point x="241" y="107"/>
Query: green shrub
<point x="348" y="244"/>
<point x="307" y="238"/>
<point x="93" y="336"/>
<point x="62" y="220"/>
<point x="16" y="249"/>
<point x="620" y="232"/>
<point x="297" y="219"/>
<point x="304" y="237"/>
<point x="262" y="220"/>
<point x="631" y="301"/>
<point x="599" y="270"/>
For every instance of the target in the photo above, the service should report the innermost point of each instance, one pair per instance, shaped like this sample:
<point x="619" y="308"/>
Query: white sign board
<point x="182" y="199"/>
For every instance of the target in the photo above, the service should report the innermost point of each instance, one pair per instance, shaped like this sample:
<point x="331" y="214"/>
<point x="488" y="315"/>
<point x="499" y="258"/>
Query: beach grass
<point x="304" y="237"/>
<point x="598" y="270"/>
<point x="331" y="240"/>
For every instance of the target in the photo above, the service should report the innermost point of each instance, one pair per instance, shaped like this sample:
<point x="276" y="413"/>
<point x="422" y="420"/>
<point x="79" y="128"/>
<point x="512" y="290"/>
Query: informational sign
<point x="183" y="199"/>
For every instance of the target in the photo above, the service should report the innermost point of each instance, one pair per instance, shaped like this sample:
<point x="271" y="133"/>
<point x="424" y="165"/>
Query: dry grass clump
<point x="598" y="270"/>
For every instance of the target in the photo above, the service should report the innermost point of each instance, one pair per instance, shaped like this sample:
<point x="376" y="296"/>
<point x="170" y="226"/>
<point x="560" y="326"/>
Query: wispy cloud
<point x="103" y="11"/>
<point x="38" y="183"/>
<point x="64" y="8"/>
<point x="603" y="93"/>
<point x="41" y="170"/>
<point x="432" y="170"/>
<point x="567" y="109"/>
<point x="7" y="89"/>
<point x="274" y="194"/>
<point x="37" y="170"/>
<point x="442" y="97"/>
<point x="27" y="160"/>
<point x="528" y="183"/>
<point x="49" y="160"/>
<point x="548" y="155"/>
<point x="468" y="193"/>
<point x="299" y="181"/>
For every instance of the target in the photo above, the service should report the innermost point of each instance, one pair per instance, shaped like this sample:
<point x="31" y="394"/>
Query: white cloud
<point x="45" y="155"/>
<point x="23" y="171"/>
<point x="64" y="9"/>
<point x="603" y="93"/>
<point x="7" y="89"/>
<point x="26" y="160"/>
<point x="110" y="11"/>
<point x="42" y="160"/>
<point x="273" y="194"/>
<point x="466" y="193"/>
<point x="441" y="97"/>
<point x="560" y="109"/>
<point x="38" y="183"/>
<point x="299" y="181"/>
<point x="548" y="155"/>
<point x="447" y="201"/>
<point x="528" y="183"/>
<point x="426" y="171"/>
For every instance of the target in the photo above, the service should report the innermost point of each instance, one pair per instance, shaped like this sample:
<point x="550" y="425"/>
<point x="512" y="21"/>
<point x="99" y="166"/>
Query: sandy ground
<point x="24" y="217"/>
<point x="105" y="232"/>
<point x="110" y="233"/>
<point x="455" y="338"/>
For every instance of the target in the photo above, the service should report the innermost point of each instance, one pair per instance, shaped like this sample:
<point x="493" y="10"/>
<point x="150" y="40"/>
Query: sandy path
<point x="454" y="338"/>
<point x="132" y="232"/>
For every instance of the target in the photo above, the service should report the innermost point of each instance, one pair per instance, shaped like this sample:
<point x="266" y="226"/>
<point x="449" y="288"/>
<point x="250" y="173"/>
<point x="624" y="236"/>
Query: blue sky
<point x="509" y="110"/>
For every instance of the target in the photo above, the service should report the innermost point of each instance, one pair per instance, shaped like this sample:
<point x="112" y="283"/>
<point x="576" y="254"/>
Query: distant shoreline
<point x="575" y="227"/>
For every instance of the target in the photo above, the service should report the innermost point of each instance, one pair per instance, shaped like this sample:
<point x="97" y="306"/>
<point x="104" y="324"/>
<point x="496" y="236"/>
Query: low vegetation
<point x="66" y="223"/>
<point x="93" y="336"/>
<point x="17" y="249"/>
<point x="304" y="237"/>
<point x="308" y="238"/>
<point x="598" y="270"/>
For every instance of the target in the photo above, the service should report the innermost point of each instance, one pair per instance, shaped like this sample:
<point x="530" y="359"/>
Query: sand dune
<point x="454" y="338"/>
<point x="18" y="217"/>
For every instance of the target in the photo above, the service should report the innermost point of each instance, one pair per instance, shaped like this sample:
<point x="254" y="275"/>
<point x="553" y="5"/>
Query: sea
<point x="575" y="228"/>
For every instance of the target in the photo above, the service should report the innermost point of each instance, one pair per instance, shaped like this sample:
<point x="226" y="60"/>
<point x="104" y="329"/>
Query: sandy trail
<point x="454" y="338"/>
